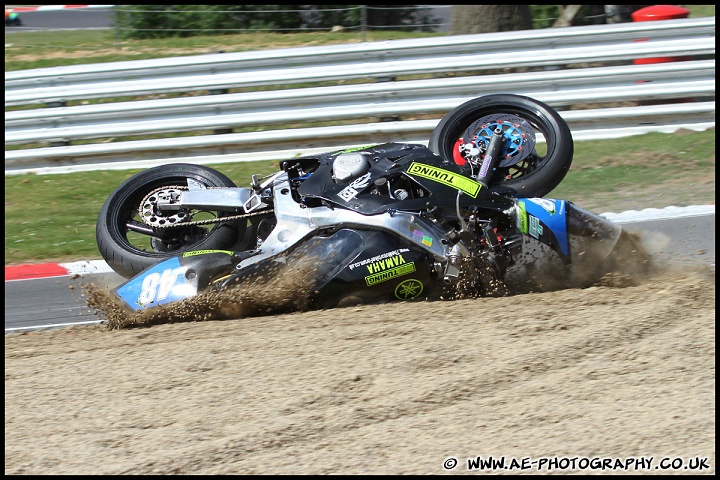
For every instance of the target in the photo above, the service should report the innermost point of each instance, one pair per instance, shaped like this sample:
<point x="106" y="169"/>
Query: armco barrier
<point x="565" y="67"/>
<point x="562" y="88"/>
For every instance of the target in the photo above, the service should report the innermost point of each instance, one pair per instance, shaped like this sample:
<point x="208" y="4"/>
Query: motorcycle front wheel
<point x="538" y="146"/>
<point x="129" y="245"/>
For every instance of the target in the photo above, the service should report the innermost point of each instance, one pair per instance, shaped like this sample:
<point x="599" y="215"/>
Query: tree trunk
<point x="468" y="19"/>
<point x="567" y="15"/>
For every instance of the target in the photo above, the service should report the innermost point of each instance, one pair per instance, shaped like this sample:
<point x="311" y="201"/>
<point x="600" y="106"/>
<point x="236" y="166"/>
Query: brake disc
<point x="151" y="215"/>
<point x="519" y="136"/>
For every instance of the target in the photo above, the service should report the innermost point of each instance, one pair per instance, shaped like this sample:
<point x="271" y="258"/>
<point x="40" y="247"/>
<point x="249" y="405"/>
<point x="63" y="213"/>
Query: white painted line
<point x="87" y="267"/>
<point x="649" y="214"/>
<point x="45" y="327"/>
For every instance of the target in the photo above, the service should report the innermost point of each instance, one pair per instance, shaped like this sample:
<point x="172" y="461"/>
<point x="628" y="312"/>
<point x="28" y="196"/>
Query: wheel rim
<point x="521" y="163"/>
<point x="136" y="236"/>
<point x="518" y="136"/>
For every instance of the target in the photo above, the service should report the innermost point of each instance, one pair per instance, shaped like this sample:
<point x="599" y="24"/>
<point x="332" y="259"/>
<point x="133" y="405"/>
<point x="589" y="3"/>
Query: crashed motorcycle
<point x="377" y="223"/>
<point x="12" y="19"/>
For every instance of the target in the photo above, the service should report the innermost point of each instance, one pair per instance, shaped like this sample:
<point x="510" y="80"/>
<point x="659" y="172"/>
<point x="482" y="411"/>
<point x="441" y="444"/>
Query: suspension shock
<point x="492" y="157"/>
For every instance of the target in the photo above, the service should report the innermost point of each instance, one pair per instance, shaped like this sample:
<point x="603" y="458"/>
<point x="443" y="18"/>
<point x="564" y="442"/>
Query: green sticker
<point x="446" y="177"/>
<point x="408" y="289"/>
<point x="522" y="216"/>
<point x="203" y="252"/>
<point x="390" y="274"/>
<point x="355" y="149"/>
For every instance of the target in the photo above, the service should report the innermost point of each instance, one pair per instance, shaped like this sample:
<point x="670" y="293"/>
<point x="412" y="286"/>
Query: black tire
<point x="128" y="252"/>
<point x="534" y="176"/>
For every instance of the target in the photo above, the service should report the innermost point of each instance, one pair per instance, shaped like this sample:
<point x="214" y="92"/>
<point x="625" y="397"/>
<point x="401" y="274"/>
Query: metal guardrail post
<point x="363" y="21"/>
<point x="117" y="28"/>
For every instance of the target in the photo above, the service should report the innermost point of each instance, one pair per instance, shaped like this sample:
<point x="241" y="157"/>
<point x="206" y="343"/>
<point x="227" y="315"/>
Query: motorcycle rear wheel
<point x="538" y="173"/>
<point x="129" y="245"/>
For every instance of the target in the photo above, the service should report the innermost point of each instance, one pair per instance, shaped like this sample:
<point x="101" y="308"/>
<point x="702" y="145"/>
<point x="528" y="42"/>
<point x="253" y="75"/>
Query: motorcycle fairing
<point x="362" y="265"/>
<point x="175" y="279"/>
<point x="579" y="237"/>
<point x="422" y="177"/>
<point x="388" y="268"/>
<point x="545" y="220"/>
<point x="321" y="257"/>
<point x="592" y="238"/>
<point x="296" y="224"/>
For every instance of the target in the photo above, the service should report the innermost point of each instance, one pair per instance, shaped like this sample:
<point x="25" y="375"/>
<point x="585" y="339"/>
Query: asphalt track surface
<point x="56" y="301"/>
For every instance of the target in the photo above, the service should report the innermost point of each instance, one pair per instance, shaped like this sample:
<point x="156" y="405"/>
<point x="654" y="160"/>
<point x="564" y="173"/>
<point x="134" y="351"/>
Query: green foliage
<point x="159" y="21"/>
<point x="544" y="16"/>
<point x="400" y="17"/>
